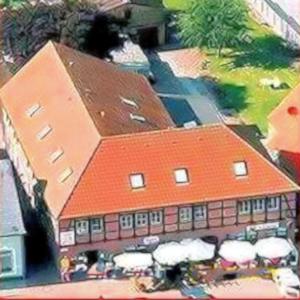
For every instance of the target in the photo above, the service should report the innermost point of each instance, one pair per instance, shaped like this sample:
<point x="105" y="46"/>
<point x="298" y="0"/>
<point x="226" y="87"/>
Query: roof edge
<point x="279" y="171"/>
<point x="283" y="191"/>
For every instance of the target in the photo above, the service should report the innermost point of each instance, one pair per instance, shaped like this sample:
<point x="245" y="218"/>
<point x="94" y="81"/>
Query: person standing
<point x="65" y="266"/>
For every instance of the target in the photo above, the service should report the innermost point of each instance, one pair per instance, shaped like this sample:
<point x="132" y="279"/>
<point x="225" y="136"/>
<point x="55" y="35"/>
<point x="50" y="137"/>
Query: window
<point x="185" y="214"/>
<point x="244" y="207"/>
<point x="273" y="203"/>
<point x="97" y="225"/>
<point x="199" y="212"/>
<point x="240" y="168"/>
<point x="126" y="222"/>
<point x="258" y="205"/>
<point x="137" y="118"/>
<point x="6" y="261"/>
<point x="65" y="175"/>
<point x="44" y="132"/>
<point x="82" y="227"/>
<point x="129" y="102"/>
<point x="56" y="155"/>
<point x="30" y="112"/>
<point x="156" y="217"/>
<point x="181" y="176"/>
<point x="137" y="181"/>
<point x="141" y="219"/>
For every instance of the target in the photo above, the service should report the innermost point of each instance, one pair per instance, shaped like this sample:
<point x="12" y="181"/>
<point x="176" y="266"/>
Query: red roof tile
<point x="207" y="152"/>
<point x="80" y="99"/>
<point x="284" y="129"/>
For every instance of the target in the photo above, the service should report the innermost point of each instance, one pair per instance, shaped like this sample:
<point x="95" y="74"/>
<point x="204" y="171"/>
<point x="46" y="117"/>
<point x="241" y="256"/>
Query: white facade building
<point x="283" y="16"/>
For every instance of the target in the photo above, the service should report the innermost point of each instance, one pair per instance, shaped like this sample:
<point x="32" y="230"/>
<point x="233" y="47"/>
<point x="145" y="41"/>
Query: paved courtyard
<point x="243" y="288"/>
<point x="178" y="80"/>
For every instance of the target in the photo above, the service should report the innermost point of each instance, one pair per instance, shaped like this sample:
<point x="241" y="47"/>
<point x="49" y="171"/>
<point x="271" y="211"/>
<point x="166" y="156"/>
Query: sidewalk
<point x="91" y="289"/>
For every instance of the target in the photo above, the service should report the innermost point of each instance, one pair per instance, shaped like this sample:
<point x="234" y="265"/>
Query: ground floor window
<point x="156" y="217"/>
<point x="6" y="261"/>
<point x="141" y="219"/>
<point x="273" y="203"/>
<point x="82" y="227"/>
<point x="185" y="214"/>
<point x="199" y="212"/>
<point x="97" y="225"/>
<point x="126" y="222"/>
<point x="244" y="207"/>
<point x="258" y="205"/>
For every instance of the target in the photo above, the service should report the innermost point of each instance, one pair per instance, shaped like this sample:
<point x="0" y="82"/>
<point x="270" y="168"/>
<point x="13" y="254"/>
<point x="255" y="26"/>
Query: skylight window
<point x="65" y="175"/>
<point x="240" y="168"/>
<point x="137" y="181"/>
<point x="129" y="102"/>
<point x="56" y="155"/>
<point x="138" y="118"/>
<point x="31" y="111"/>
<point x="44" y="132"/>
<point x="181" y="176"/>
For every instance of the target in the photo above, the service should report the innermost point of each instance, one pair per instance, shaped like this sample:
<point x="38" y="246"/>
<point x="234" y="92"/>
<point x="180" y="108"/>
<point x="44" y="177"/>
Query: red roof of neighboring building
<point x="284" y="129"/>
<point x="208" y="153"/>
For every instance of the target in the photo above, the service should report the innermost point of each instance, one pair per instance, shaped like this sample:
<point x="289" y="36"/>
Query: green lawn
<point x="239" y="73"/>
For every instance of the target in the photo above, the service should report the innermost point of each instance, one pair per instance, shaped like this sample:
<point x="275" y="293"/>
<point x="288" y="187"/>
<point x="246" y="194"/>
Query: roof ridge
<point x="162" y="131"/>
<point x="279" y="171"/>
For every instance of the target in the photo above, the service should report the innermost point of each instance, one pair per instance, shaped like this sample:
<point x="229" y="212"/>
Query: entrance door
<point x="148" y="37"/>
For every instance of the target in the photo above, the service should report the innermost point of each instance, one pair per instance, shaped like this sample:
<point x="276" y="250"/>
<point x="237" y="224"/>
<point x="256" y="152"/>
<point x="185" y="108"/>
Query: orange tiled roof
<point x="79" y="98"/>
<point x="284" y="133"/>
<point x="207" y="152"/>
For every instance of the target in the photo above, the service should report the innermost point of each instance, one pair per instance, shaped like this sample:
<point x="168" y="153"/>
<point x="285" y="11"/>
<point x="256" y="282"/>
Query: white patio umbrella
<point x="170" y="254"/>
<point x="237" y="251"/>
<point x="133" y="260"/>
<point x="273" y="247"/>
<point x="198" y="250"/>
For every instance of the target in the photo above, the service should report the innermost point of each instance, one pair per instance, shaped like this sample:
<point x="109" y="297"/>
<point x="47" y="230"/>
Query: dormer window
<point x="240" y="169"/>
<point x="44" y="132"/>
<point x="137" y="118"/>
<point x="31" y="111"/>
<point x="137" y="181"/>
<point x="181" y="176"/>
<point x="65" y="175"/>
<point x="129" y="102"/>
<point x="56" y="155"/>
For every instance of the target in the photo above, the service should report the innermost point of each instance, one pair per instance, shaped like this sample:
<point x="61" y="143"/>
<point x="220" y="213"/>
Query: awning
<point x="133" y="260"/>
<point x="198" y="250"/>
<point x="237" y="251"/>
<point x="170" y="254"/>
<point x="273" y="247"/>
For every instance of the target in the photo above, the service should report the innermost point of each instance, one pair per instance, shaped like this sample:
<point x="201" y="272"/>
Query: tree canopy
<point x="214" y="24"/>
<point x="77" y="24"/>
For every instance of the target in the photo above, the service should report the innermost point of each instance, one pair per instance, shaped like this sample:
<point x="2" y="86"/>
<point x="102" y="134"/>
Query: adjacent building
<point x="283" y="16"/>
<point x="104" y="165"/>
<point x="147" y="19"/>
<point x="12" y="230"/>
<point x="284" y="133"/>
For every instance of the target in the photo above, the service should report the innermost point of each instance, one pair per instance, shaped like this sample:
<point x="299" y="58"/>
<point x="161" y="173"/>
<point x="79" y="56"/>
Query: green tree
<point x="215" y="24"/>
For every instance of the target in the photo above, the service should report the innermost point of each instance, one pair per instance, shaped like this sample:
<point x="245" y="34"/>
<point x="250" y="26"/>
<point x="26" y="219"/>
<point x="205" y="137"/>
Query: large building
<point x="12" y="230"/>
<point x="106" y="168"/>
<point x="283" y="16"/>
<point x="147" y="19"/>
